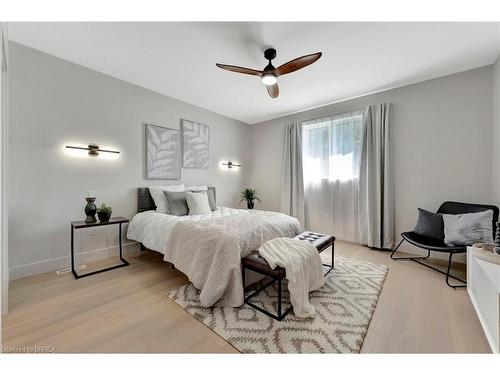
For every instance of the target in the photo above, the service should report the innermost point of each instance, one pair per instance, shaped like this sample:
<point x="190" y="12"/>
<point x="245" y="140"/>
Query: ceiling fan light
<point x="269" y="79"/>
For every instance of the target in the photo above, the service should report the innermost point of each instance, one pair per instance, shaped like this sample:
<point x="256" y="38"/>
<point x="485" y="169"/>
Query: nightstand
<point x="82" y="224"/>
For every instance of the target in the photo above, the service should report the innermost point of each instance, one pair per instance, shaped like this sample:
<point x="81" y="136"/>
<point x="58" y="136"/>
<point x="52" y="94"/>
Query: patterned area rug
<point x="344" y="308"/>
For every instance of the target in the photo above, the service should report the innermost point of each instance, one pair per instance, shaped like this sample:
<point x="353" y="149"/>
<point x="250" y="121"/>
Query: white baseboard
<point x="55" y="264"/>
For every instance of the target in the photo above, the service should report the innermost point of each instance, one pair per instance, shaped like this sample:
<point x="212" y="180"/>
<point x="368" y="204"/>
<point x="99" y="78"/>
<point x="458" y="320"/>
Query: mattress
<point x="153" y="229"/>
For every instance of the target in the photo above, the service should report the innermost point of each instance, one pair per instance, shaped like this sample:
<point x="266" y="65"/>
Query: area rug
<point x="344" y="308"/>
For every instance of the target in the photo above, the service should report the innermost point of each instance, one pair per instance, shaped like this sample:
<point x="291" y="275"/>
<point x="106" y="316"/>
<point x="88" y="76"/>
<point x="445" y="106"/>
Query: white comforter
<point x="209" y="248"/>
<point x="303" y="267"/>
<point x="153" y="229"/>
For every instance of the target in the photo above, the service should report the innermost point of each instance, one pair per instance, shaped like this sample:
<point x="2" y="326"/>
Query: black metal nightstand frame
<point x="80" y="225"/>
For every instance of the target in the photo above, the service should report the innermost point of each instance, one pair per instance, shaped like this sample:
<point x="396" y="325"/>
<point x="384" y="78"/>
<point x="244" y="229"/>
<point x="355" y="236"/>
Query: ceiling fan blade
<point x="240" y="69"/>
<point x="298" y="63"/>
<point x="273" y="90"/>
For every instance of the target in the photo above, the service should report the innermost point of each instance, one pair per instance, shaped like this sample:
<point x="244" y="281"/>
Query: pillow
<point x="198" y="203"/>
<point x="430" y="225"/>
<point x="177" y="204"/>
<point x="197" y="188"/>
<point x="159" y="197"/>
<point x="210" y="195"/>
<point x="467" y="229"/>
<point x="211" y="200"/>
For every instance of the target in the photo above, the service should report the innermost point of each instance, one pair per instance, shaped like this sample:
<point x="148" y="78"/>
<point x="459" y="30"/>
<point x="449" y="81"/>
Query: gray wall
<point x="441" y="143"/>
<point x="54" y="103"/>
<point x="496" y="133"/>
<point x="442" y="137"/>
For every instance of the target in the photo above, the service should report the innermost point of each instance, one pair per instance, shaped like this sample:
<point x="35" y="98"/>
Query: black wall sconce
<point x="93" y="149"/>
<point x="230" y="164"/>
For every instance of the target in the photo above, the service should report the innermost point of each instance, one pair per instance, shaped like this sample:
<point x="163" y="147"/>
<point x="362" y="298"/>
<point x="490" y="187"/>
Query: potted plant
<point x="104" y="213"/>
<point x="249" y="195"/>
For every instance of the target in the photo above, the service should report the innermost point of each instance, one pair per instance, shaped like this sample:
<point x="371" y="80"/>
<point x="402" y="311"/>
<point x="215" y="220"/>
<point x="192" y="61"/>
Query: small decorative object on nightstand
<point x="90" y="210"/>
<point x="83" y="224"/>
<point x="104" y="213"/>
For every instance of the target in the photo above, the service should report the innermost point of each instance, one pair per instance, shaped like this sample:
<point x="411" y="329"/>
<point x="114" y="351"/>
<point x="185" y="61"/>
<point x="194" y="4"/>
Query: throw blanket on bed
<point x="304" y="271"/>
<point x="209" y="252"/>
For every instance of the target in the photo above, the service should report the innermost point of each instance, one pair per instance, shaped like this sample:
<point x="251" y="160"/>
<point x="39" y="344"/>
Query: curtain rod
<point x="333" y="115"/>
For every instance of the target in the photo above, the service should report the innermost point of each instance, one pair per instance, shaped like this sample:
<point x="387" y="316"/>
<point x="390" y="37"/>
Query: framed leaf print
<point x="163" y="153"/>
<point x="195" y="144"/>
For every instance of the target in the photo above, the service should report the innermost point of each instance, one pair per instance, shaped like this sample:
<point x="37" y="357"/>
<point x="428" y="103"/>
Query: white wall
<point x="56" y="103"/>
<point x="441" y="139"/>
<point x="496" y="133"/>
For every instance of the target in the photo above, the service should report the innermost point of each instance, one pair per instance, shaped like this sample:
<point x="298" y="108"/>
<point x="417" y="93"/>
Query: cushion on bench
<point x="258" y="264"/>
<point x="321" y="241"/>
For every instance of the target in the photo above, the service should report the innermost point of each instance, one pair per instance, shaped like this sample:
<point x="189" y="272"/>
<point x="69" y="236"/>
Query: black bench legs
<point x="280" y="316"/>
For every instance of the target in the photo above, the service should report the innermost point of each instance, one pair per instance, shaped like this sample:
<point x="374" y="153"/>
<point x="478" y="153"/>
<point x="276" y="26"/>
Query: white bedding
<point x="208" y="248"/>
<point x="209" y="252"/>
<point x="153" y="229"/>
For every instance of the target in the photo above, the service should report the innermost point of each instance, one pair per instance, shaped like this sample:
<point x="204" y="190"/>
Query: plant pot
<point x="104" y="216"/>
<point x="250" y="205"/>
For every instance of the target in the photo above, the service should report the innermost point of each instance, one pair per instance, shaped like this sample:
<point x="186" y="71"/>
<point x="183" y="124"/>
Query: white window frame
<point x="318" y="123"/>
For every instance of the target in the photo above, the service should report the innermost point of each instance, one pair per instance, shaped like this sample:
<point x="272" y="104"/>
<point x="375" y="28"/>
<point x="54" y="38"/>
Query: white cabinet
<point x="483" y="285"/>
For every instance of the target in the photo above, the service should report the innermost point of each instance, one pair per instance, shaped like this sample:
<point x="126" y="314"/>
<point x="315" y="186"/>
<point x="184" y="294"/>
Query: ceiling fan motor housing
<point x="270" y="54"/>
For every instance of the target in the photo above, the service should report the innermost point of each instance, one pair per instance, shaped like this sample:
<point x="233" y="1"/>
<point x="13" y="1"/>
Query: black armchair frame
<point x="429" y="244"/>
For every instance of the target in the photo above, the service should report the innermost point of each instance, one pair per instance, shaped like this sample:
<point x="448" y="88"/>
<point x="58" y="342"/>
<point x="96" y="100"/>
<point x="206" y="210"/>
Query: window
<point x="332" y="147"/>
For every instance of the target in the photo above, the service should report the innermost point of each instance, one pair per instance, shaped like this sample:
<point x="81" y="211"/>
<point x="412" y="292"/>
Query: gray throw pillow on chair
<point x="177" y="203"/>
<point x="467" y="229"/>
<point x="430" y="225"/>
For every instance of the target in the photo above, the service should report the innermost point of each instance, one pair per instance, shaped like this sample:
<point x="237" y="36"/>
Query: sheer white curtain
<point x="331" y="158"/>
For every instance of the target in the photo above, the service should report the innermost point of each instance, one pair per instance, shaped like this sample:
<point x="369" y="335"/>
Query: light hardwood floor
<point x="127" y="310"/>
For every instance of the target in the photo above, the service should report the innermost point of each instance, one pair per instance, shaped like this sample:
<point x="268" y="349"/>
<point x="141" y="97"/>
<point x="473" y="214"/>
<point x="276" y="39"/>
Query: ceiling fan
<point x="269" y="76"/>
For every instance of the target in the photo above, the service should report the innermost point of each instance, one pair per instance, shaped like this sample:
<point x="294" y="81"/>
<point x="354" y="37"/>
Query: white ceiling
<point x="178" y="59"/>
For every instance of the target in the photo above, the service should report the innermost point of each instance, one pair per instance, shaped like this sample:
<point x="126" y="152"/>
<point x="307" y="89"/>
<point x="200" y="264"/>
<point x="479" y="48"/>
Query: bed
<point x="208" y="248"/>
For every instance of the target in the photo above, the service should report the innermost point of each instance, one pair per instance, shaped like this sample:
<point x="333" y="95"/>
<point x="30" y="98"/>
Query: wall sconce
<point x="93" y="149"/>
<point x="230" y="164"/>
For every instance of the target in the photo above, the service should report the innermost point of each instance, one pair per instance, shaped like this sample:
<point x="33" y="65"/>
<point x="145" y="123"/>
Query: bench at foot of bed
<point x="256" y="263"/>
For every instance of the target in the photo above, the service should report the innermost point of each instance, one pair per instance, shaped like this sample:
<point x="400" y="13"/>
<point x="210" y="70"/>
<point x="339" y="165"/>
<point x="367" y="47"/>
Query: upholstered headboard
<point x="146" y="203"/>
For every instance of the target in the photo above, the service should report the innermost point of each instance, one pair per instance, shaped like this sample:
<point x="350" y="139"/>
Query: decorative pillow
<point x="198" y="203"/>
<point x="197" y="188"/>
<point x="177" y="203"/>
<point x="467" y="229"/>
<point x="210" y="195"/>
<point x="211" y="200"/>
<point x="159" y="197"/>
<point x="430" y="225"/>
